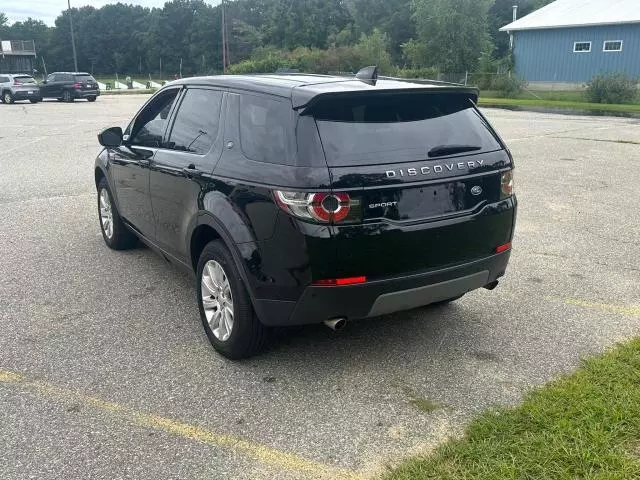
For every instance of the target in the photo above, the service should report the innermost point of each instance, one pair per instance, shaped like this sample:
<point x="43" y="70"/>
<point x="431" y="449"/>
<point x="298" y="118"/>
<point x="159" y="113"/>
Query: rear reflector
<point x="503" y="247"/>
<point x="333" y="282"/>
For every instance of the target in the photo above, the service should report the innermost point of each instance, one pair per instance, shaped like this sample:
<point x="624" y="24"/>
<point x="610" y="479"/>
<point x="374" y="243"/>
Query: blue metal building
<point x="571" y="41"/>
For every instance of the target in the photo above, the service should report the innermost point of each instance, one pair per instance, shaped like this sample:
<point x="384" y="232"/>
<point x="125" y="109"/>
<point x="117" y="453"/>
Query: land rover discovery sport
<point x="298" y="199"/>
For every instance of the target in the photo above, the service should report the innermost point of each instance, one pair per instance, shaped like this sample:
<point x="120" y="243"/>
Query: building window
<point x="612" y="46"/>
<point x="582" y="47"/>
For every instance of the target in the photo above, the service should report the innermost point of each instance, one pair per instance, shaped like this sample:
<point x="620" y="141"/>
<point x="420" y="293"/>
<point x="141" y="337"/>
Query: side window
<point x="51" y="78"/>
<point x="197" y="121"/>
<point x="151" y="123"/>
<point x="265" y="126"/>
<point x="4" y="79"/>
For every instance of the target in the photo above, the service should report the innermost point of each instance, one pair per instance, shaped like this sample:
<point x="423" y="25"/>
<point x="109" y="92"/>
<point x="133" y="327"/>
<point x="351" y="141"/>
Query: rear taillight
<point x="76" y="85"/>
<point x="503" y="248"/>
<point x="319" y="207"/>
<point x="506" y="184"/>
<point x="339" y="282"/>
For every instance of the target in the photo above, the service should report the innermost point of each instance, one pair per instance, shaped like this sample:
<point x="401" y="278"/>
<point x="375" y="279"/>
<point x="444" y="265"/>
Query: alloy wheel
<point x="217" y="300"/>
<point x="106" y="213"/>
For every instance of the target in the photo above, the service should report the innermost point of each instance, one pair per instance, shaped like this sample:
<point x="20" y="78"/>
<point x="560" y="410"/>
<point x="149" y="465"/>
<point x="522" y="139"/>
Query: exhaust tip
<point x="336" y="324"/>
<point x="492" y="285"/>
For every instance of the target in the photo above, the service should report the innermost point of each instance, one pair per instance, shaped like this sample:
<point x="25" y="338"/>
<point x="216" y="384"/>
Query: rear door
<point x="423" y="167"/>
<point x="192" y="148"/>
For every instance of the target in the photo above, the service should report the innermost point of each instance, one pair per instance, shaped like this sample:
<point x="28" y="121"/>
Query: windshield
<point x="400" y="128"/>
<point x="85" y="78"/>
<point x="24" y="79"/>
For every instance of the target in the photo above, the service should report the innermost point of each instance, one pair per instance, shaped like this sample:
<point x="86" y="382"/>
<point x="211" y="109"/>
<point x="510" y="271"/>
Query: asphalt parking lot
<point x="105" y="371"/>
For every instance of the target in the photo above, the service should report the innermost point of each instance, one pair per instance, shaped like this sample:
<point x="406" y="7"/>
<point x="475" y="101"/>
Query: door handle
<point x="191" y="171"/>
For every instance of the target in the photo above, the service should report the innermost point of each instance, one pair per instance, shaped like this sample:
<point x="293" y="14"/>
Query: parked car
<point x="299" y="199"/>
<point x="68" y="86"/>
<point x="16" y="87"/>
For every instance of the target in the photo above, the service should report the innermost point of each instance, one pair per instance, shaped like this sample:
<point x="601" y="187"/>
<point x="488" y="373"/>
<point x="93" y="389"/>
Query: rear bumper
<point x="380" y="297"/>
<point x="25" y="95"/>
<point x="77" y="93"/>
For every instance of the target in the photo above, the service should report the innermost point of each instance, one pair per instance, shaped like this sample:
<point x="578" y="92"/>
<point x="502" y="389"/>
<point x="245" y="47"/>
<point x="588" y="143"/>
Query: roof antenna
<point x="368" y="75"/>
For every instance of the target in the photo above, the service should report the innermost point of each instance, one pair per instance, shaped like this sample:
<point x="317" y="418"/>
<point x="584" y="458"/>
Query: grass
<point x="604" y="107"/>
<point x="575" y="100"/>
<point x="583" y="426"/>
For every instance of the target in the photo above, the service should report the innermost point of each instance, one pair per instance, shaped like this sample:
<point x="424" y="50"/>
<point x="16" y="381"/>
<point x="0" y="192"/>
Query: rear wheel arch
<point x="201" y="236"/>
<point x="210" y="229"/>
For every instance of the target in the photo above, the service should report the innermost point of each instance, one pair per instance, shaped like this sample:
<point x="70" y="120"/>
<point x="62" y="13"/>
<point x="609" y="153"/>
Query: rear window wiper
<point x="442" y="150"/>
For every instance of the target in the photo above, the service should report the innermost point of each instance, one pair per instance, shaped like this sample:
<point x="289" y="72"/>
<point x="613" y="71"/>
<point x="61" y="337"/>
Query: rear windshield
<point x="24" y="79"/>
<point x="398" y="128"/>
<point x="84" y="78"/>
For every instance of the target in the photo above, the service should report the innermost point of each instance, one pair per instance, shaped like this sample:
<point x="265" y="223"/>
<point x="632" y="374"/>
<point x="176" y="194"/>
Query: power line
<point x="73" y="40"/>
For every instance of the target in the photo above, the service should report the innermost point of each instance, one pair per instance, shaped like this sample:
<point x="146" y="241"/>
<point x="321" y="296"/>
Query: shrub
<point x="508" y="86"/>
<point x="612" y="88"/>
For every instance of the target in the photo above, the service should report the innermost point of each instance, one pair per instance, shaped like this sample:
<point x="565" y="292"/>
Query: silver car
<point x="14" y="87"/>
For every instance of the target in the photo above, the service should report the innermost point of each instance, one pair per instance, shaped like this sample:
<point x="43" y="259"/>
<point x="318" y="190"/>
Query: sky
<point x="48" y="10"/>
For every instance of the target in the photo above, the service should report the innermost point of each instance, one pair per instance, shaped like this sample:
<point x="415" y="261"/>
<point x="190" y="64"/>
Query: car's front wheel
<point x="7" y="97"/>
<point x="227" y="314"/>
<point x="34" y="100"/>
<point x="115" y="233"/>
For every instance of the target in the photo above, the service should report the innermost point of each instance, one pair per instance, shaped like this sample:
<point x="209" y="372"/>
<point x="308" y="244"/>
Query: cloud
<point x="48" y="10"/>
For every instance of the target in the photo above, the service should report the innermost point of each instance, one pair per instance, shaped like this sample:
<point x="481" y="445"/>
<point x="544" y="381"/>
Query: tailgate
<point x="426" y="170"/>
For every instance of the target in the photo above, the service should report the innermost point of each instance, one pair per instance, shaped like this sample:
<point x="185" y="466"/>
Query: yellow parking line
<point x="633" y="311"/>
<point x="267" y="455"/>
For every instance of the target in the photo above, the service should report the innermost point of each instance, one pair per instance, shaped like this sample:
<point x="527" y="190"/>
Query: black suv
<point x="299" y="199"/>
<point x="67" y="86"/>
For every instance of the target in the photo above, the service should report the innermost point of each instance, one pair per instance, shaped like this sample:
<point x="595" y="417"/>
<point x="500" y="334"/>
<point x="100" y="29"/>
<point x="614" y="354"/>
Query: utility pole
<point x="73" y="40"/>
<point x="224" y="40"/>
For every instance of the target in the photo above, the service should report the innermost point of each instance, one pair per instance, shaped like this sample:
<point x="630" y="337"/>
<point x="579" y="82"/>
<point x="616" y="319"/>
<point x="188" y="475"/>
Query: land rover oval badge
<point x="477" y="190"/>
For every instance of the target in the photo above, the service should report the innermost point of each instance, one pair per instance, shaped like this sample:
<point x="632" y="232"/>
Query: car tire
<point x="115" y="234"/>
<point x="67" y="97"/>
<point x="34" y="100"/>
<point x="222" y="287"/>
<point x="7" y="98"/>
<point x="91" y="99"/>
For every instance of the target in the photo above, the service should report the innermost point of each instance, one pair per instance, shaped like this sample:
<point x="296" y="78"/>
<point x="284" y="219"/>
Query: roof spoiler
<point x="424" y="81"/>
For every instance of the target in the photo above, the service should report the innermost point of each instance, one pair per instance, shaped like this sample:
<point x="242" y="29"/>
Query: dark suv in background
<point x="68" y="86"/>
<point x="299" y="199"/>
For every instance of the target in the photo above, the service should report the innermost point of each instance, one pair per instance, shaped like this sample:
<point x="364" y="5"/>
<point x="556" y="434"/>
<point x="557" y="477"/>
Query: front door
<point x="194" y="146"/>
<point x="130" y="162"/>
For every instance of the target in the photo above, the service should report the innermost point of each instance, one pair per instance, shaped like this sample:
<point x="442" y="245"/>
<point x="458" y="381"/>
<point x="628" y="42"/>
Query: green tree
<point x="392" y="17"/>
<point x="454" y="32"/>
<point x="373" y="49"/>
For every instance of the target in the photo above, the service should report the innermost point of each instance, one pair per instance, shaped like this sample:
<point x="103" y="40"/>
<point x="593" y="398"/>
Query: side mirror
<point x="44" y="81"/>
<point x="111" y="137"/>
